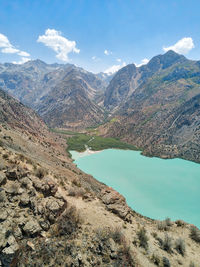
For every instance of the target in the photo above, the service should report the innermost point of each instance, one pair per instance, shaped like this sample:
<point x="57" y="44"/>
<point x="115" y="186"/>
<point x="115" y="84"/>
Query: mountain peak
<point x="166" y="60"/>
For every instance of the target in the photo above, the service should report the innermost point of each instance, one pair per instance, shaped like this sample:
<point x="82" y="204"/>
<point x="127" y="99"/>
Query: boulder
<point x="9" y="252"/>
<point x="17" y="233"/>
<point x="53" y="208"/>
<point x="3" y="197"/>
<point x="16" y="173"/>
<point x="32" y="228"/>
<point x="26" y="182"/>
<point x="115" y="202"/>
<point x="3" y="214"/>
<point x="49" y="187"/>
<point x="13" y="188"/>
<point x="3" y="240"/>
<point x="3" y="178"/>
<point x="24" y="199"/>
<point x="12" y="174"/>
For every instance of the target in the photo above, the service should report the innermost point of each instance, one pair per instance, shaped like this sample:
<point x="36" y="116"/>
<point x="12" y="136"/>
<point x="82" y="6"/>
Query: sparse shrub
<point x="116" y="235"/>
<point x="21" y="157"/>
<point x="40" y="172"/>
<point x="168" y="221"/>
<point x="72" y="192"/>
<point x="192" y="264"/>
<point x="68" y="222"/>
<point x="155" y="259"/>
<point x="76" y="183"/>
<point x="166" y="262"/>
<point x="180" y="223"/>
<point x="195" y="234"/>
<point x="103" y="234"/>
<point x="167" y="244"/>
<point x="155" y="235"/>
<point x="29" y="161"/>
<point x="76" y="192"/>
<point x="127" y="253"/>
<point x="164" y="225"/>
<point x="180" y="246"/>
<point x="1" y="143"/>
<point x="143" y="238"/>
<point x="5" y="156"/>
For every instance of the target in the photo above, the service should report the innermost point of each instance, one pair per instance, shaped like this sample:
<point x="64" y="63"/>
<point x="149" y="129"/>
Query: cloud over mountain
<point x="183" y="46"/>
<point x="61" y="45"/>
<point x="114" y="68"/>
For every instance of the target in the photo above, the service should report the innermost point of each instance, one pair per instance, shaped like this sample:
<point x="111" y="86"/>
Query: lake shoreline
<point x="156" y="180"/>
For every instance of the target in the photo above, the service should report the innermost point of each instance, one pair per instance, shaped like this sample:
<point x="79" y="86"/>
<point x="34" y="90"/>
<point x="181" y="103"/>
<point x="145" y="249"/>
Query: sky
<point x="98" y="35"/>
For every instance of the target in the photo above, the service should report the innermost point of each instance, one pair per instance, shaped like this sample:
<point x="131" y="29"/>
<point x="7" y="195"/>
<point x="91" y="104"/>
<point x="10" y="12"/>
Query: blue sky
<point x="97" y="34"/>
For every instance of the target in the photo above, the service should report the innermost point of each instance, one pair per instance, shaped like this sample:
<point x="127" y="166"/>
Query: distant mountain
<point x="106" y="78"/>
<point x="71" y="102"/>
<point x="129" y="78"/>
<point x="51" y="89"/>
<point x="158" y="106"/>
<point x="150" y="103"/>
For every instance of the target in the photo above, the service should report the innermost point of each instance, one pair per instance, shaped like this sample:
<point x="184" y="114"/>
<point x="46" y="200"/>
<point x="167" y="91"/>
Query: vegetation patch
<point x="80" y="142"/>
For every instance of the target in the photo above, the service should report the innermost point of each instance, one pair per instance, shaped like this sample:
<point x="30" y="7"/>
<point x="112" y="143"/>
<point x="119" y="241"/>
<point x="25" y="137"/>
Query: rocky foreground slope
<point x="53" y="214"/>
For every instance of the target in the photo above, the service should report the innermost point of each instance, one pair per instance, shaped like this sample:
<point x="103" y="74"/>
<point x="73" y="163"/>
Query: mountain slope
<point x="129" y="78"/>
<point x="16" y="115"/>
<point x="36" y="83"/>
<point x="154" y="117"/>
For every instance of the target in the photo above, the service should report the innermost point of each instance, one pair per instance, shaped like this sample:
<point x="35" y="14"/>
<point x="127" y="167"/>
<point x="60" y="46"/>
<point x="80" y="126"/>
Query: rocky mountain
<point x="53" y="214"/>
<point x="129" y="78"/>
<point x="36" y="84"/>
<point x="72" y="101"/>
<point x="160" y="112"/>
<point x="147" y="104"/>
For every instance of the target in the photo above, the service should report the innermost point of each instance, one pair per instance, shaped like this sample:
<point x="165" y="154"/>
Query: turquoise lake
<point x="153" y="187"/>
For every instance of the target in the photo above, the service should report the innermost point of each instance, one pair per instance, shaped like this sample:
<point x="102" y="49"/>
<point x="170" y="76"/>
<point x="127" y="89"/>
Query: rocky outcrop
<point x="115" y="203"/>
<point x="28" y="207"/>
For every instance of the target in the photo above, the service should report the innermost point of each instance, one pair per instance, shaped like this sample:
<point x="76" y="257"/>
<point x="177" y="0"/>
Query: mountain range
<point x="156" y="106"/>
<point x="52" y="213"/>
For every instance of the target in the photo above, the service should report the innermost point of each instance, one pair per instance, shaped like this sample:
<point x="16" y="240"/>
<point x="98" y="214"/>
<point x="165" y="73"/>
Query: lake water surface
<point x="154" y="187"/>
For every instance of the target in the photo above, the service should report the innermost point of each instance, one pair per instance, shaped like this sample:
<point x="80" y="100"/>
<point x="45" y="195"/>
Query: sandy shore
<point x="87" y="152"/>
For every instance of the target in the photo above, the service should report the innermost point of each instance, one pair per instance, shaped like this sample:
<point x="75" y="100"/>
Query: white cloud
<point x="4" y="42"/>
<point x="22" y="61"/>
<point x="114" y="68"/>
<point x="183" y="46"/>
<point x="61" y="45"/>
<point x="23" y="54"/>
<point x="107" y="53"/>
<point x="143" y="62"/>
<point x="119" y="60"/>
<point x="8" y="48"/>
